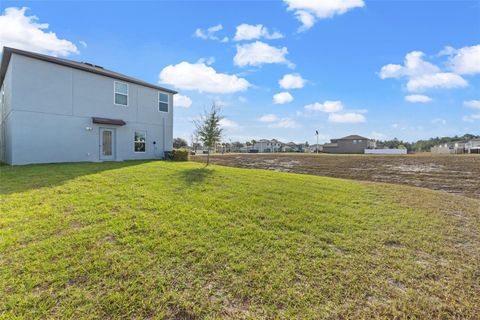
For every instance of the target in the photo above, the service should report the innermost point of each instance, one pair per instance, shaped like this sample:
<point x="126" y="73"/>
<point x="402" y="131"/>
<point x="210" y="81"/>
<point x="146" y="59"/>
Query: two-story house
<point x="266" y="146"/>
<point x="348" y="144"/>
<point x="58" y="110"/>
<point x="472" y="146"/>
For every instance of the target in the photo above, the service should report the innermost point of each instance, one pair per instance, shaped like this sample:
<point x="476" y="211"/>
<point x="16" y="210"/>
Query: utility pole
<point x="316" y="147"/>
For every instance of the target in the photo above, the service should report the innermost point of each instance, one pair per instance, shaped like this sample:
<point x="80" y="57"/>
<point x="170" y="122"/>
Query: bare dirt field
<point x="458" y="174"/>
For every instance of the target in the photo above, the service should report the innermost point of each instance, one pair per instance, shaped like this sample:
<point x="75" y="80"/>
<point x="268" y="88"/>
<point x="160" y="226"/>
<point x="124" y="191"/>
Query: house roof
<point x="352" y="137"/>
<point x="88" y="67"/>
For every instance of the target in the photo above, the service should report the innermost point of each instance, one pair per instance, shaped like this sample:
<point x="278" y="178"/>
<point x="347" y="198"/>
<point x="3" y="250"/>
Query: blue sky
<point x="383" y="69"/>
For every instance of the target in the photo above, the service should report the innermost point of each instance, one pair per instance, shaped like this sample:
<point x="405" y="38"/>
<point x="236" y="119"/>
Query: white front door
<point x="107" y="144"/>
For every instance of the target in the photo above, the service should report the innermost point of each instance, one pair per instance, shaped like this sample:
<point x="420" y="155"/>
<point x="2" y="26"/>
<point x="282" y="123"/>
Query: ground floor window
<point x="140" y="139"/>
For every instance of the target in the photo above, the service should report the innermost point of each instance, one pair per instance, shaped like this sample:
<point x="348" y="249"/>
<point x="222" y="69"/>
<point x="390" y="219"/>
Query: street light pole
<point x="316" y="147"/>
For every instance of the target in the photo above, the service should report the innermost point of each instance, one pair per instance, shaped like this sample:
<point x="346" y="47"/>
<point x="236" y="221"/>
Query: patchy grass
<point x="177" y="240"/>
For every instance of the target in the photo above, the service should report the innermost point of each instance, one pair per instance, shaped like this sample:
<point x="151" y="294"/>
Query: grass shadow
<point x="196" y="176"/>
<point x="15" y="179"/>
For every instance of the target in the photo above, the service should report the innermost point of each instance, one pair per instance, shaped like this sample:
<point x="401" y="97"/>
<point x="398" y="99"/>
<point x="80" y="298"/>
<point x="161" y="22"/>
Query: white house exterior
<point x="457" y="147"/>
<point x="265" y="145"/>
<point x="472" y="146"/>
<point x="57" y="110"/>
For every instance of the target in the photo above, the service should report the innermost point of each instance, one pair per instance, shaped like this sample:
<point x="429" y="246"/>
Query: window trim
<point x="115" y="92"/>
<point x="158" y="101"/>
<point x="134" y="141"/>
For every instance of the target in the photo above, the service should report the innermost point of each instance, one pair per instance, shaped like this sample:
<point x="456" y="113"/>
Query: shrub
<point x="180" y="154"/>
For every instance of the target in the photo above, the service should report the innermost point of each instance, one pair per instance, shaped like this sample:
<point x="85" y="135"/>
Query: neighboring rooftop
<point x="352" y="137"/>
<point x="85" y="66"/>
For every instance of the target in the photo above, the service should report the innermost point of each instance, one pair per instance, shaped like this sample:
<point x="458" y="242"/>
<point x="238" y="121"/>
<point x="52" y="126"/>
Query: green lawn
<point x="177" y="240"/>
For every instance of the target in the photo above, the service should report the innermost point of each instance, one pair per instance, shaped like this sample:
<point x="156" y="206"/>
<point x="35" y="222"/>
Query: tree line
<point x="425" y="145"/>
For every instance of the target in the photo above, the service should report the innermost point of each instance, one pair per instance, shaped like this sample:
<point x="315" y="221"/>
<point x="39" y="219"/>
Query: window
<point x="121" y="93"/>
<point x="140" y="138"/>
<point x="162" y="102"/>
<point x="354" y="141"/>
<point x="359" y="141"/>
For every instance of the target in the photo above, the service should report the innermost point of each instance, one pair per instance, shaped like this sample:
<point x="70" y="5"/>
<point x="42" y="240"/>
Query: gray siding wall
<point x="347" y="146"/>
<point x="5" y="111"/>
<point x="52" y="107"/>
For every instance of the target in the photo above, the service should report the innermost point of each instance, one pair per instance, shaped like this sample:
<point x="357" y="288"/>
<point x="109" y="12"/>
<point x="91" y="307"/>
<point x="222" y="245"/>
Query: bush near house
<point x="178" y="240"/>
<point x="180" y="154"/>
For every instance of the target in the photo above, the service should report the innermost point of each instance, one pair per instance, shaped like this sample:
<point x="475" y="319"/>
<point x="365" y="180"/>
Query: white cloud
<point x="292" y="81"/>
<point x="268" y="118"/>
<point x="448" y="50"/>
<point x="307" y="20"/>
<point x="208" y="61"/>
<point x="286" y="123"/>
<point x="210" y="33"/>
<point x="442" y="80"/>
<point x="219" y="102"/>
<point x="472" y="117"/>
<point x="228" y="124"/>
<point x="349" y="117"/>
<point x="475" y="104"/>
<point x="414" y="65"/>
<point x="282" y="98"/>
<point x="439" y="121"/>
<point x="422" y="75"/>
<point x="466" y="60"/>
<point x="308" y="10"/>
<point x="327" y="106"/>
<point x="83" y="43"/>
<point x="252" y="32"/>
<point x="242" y="99"/>
<point x="258" y="53"/>
<point x="417" y="98"/>
<point x="275" y="122"/>
<point x="181" y="101"/>
<point x="23" y="32"/>
<point x="202" y="78"/>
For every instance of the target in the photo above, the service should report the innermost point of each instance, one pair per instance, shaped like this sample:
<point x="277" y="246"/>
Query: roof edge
<point x="7" y="53"/>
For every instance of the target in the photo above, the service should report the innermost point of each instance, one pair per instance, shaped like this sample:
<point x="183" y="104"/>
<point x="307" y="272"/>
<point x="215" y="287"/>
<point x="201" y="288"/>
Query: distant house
<point x="294" y="147"/>
<point x="456" y="147"/>
<point x="472" y="146"/>
<point x="266" y="146"/>
<point x="348" y="144"/>
<point x="314" y="148"/>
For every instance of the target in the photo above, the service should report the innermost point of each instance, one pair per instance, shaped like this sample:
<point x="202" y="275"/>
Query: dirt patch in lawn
<point x="457" y="174"/>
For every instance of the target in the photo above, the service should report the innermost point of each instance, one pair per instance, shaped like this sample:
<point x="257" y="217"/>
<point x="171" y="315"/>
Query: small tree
<point x="209" y="130"/>
<point x="253" y="143"/>
<point x="179" y="143"/>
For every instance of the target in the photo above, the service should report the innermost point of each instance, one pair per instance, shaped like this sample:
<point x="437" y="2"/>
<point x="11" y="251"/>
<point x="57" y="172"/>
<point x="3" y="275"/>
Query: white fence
<point x="385" y="151"/>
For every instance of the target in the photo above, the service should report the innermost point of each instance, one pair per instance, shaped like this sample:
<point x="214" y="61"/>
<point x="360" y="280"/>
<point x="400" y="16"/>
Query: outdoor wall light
<point x="88" y="128"/>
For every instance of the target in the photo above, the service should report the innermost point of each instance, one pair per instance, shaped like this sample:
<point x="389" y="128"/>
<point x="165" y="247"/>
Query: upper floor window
<point x="162" y="102"/>
<point x="121" y="93"/>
